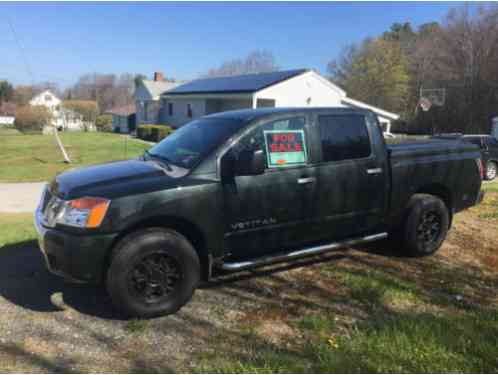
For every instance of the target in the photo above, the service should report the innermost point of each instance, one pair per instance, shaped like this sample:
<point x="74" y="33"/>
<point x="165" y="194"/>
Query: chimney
<point x="158" y="76"/>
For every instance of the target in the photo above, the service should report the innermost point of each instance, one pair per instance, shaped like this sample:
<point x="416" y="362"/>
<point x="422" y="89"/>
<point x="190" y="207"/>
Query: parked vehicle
<point x="242" y="189"/>
<point x="489" y="149"/>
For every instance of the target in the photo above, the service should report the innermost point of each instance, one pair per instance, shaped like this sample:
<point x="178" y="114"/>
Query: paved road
<point x="22" y="197"/>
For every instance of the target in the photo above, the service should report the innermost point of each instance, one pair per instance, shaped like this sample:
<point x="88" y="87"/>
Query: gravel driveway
<point x="21" y="197"/>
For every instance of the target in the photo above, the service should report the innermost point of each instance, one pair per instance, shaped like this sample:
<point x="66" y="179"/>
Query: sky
<point x="61" y="41"/>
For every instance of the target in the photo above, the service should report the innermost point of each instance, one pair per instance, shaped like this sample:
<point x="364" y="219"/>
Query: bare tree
<point x="259" y="61"/>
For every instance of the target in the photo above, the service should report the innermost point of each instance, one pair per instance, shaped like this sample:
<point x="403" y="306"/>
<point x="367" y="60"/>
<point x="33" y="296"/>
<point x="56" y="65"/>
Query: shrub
<point x="154" y="133"/>
<point x="104" y="123"/>
<point x="32" y="118"/>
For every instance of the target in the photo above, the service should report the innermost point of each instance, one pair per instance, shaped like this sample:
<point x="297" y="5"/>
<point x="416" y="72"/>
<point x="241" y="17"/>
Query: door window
<point x="343" y="137"/>
<point x="282" y="141"/>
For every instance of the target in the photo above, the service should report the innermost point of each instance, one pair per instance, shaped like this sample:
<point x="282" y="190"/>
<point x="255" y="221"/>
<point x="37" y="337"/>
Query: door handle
<point x="374" y="171"/>
<point x="306" y="180"/>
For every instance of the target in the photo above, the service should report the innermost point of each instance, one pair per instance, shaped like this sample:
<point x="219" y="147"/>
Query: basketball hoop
<point x="425" y="104"/>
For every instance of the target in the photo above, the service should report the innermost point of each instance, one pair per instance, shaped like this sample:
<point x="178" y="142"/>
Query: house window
<point x="170" y="109"/>
<point x="48" y="98"/>
<point x="146" y="116"/>
<point x="189" y="110"/>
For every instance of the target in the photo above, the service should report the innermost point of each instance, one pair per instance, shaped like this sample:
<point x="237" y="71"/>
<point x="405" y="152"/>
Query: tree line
<point x="458" y="57"/>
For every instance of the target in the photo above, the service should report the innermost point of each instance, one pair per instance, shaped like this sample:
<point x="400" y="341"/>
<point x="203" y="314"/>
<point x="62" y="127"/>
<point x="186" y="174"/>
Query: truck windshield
<point x="193" y="141"/>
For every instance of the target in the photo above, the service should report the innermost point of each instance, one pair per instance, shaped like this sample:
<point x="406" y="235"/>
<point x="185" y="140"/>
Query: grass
<point x="29" y="158"/>
<point x="16" y="228"/>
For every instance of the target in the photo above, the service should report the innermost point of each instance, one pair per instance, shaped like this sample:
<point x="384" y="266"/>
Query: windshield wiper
<point x="163" y="159"/>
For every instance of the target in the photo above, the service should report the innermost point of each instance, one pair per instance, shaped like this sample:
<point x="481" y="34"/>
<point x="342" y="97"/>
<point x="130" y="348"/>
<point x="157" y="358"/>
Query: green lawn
<point x="29" y="158"/>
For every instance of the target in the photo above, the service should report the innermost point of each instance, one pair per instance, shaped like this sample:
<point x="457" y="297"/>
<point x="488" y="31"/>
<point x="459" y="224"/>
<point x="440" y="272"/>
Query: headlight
<point x="88" y="212"/>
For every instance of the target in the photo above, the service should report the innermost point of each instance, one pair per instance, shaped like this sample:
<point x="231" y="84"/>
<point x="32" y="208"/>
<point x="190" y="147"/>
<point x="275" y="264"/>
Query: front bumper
<point x="78" y="258"/>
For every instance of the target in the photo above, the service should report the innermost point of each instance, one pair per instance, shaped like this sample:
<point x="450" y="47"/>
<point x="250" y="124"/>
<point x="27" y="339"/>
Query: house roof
<point x="7" y="109"/>
<point x="378" y="111"/>
<point x="247" y="83"/>
<point x="156" y="88"/>
<point x="125" y="110"/>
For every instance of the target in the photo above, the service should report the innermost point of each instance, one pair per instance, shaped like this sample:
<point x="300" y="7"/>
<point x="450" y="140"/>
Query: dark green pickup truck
<point x="242" y="189"/>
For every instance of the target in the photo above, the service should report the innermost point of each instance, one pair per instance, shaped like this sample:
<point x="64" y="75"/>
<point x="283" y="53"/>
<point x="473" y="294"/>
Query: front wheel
<point x="152" y="273"/>
<point x="491" y="170"/>
<point x="426" y="225"/>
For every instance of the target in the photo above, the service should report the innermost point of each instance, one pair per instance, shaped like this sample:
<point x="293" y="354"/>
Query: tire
<point x="426" y="225"/>
<point x="152" y="272"/>
<point x="491" y="170"/>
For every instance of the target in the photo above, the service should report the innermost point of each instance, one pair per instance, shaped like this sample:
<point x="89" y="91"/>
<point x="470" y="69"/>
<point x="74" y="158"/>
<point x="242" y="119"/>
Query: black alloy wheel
<point x="155" y="277"/>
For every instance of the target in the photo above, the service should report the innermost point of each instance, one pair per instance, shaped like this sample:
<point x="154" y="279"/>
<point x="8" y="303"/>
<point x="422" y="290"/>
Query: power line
<point x="21" y="50"/>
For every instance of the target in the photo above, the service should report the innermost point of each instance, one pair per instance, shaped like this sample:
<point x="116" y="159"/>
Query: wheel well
<point x="442" y="193"/>
<point x="190" y="231"/>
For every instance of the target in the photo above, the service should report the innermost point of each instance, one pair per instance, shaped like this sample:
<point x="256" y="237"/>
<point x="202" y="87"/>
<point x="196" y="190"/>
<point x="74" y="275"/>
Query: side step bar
<point x="285" y="257"/>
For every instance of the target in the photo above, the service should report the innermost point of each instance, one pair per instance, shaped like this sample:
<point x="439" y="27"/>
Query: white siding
<point x="180" y="117"/>
<point x="7" y="120"/>
<point x="305" y="90"/>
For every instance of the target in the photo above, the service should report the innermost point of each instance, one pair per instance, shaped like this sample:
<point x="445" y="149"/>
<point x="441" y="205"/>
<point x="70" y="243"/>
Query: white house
<point x="147" y="98"/>
<point x="7" y="114"/>
<point x="292" y="88"/>
<point x="63" y="118"/>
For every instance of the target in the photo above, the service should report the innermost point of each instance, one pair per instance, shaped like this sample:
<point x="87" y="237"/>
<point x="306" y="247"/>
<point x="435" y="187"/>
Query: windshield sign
<point x="188" y="145"/>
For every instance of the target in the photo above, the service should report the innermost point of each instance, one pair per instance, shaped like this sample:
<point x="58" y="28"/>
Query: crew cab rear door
<point x="351" y="176"/>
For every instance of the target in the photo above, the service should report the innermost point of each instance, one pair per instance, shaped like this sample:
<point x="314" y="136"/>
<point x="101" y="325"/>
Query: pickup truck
<point x="243" y="189"/>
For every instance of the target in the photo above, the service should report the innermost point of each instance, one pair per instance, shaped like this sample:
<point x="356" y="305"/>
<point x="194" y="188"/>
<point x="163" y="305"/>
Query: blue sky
<point x="64" y="40"/>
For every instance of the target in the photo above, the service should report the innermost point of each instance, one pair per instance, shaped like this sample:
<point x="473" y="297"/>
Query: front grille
<point x="45" y="198"/>
<point x="51" y="206"/>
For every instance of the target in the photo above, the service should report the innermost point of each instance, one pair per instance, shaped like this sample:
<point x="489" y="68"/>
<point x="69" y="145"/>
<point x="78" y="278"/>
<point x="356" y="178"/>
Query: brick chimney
<point x="158" y="76"/>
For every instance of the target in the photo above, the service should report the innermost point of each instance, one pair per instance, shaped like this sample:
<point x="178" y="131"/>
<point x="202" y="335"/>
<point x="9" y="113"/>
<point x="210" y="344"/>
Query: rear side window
<point x="343" y="137"/>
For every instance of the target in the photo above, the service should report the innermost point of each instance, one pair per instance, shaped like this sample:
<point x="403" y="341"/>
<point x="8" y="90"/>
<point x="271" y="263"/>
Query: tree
<point x="86" y="108"/>
<point x="23" y="94"/>
<point x="32" y="118"/>
<point x="108" y="90"/>
<point x="375" y="72"/>
<point x="6" y="92"/>
<point x="258" y="61"/>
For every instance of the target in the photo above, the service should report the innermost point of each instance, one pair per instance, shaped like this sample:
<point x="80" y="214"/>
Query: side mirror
<point x="250" y="163"/>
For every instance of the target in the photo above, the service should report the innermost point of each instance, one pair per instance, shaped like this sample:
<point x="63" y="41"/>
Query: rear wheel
<point x="426" y="225"/>
<point x="152" y="273"/>
<point x="491" y="170"/>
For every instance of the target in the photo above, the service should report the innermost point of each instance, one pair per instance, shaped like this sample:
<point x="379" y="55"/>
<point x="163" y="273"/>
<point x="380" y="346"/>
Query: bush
<point x="154" y="133"/>
<point x="32" y="118"/>
<point x="104" y="123"/>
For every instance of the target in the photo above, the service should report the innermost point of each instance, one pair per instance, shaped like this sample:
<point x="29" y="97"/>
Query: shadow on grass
<point x="26" y="282"/>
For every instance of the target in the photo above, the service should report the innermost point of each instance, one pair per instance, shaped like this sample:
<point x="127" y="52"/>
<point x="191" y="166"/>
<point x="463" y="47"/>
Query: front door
<point x="266" y="213"/>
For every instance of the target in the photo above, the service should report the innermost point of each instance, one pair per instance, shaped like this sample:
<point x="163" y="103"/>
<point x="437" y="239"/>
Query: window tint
<point x="283" y="142"/>
<point x="343" y="137"/>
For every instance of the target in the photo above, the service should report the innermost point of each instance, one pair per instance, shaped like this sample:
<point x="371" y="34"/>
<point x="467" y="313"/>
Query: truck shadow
<point x="25" y="281"/>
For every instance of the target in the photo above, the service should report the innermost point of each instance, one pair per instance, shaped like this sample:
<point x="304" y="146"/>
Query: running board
<point x="315" y="250"/>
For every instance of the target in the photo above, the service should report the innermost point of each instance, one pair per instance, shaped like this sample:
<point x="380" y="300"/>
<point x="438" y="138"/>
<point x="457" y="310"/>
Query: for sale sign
<point x="285" y="147"/>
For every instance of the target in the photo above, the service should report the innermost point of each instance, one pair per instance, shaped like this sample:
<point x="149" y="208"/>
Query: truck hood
<point x="115" y="179"/>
